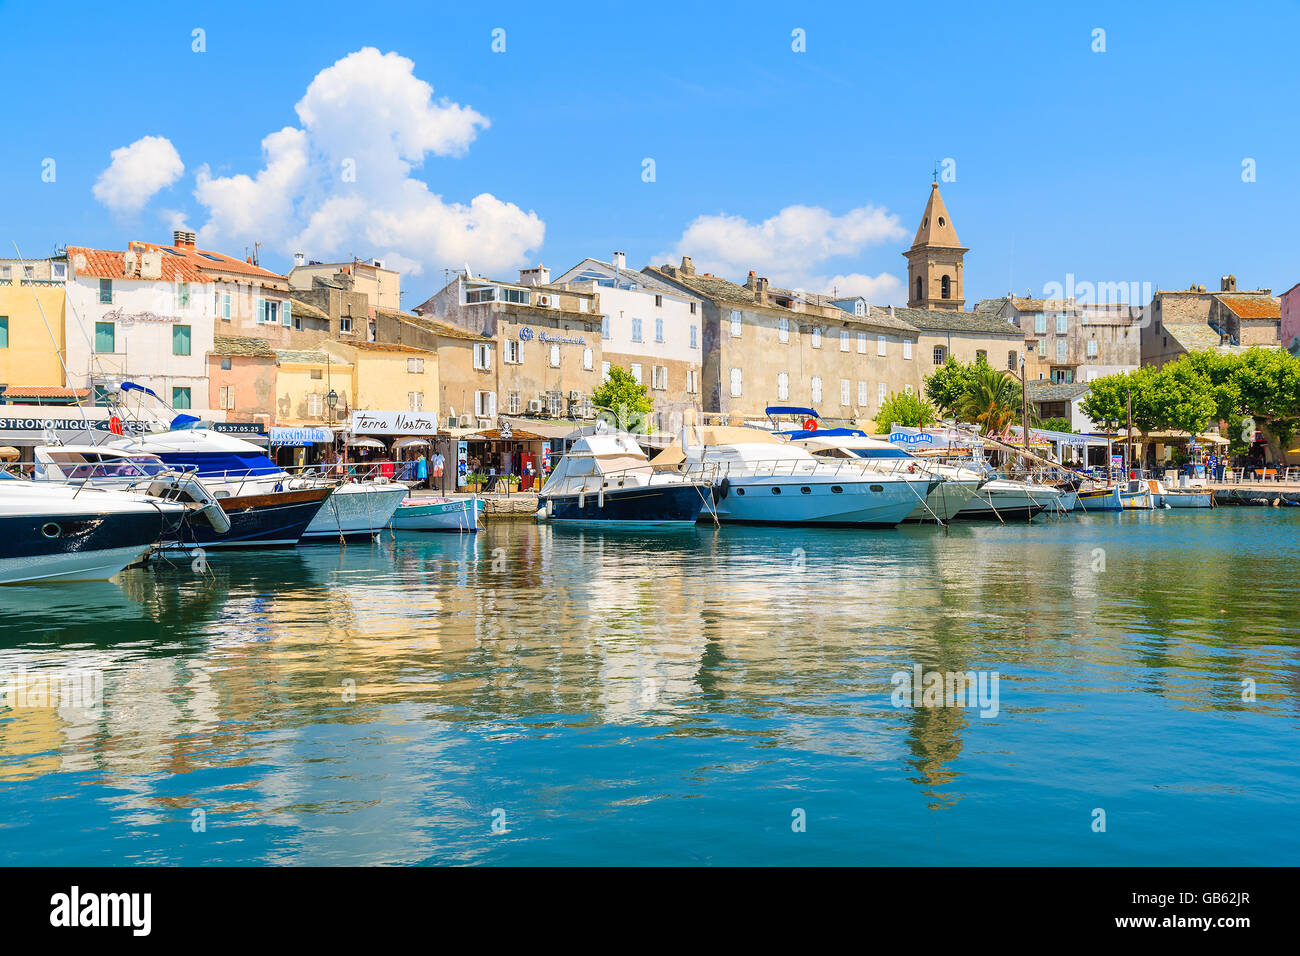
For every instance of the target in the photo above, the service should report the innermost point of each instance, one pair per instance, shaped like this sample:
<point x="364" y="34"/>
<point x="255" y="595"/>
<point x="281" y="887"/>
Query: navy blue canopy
<point x="789" y="410"/>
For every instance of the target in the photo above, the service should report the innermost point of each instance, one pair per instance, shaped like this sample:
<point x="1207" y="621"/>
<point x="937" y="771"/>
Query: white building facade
<point x="652" y="329"/>
<point x="143" y="316"/>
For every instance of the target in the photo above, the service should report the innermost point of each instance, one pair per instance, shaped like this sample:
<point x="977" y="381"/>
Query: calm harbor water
<point x="537" y="695"/>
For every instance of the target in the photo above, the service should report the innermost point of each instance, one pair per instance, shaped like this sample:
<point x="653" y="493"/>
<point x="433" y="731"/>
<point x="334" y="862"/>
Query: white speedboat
<point x="1163" y="497"/>
<point x="955" y="486"/>
<point x="438" y="514"/>
<point x="606" y="479"/>
<point x="759" y="478"/>
<point x="232" y="467"/>
<point x="51" y="531"/>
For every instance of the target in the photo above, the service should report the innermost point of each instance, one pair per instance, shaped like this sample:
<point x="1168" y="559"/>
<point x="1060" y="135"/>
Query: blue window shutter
<point x="261" y="310"/>
<point x="286" y="314"/>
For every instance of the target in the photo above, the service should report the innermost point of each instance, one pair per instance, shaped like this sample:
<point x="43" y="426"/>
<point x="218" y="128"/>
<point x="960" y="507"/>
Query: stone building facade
<point x="1188" y="320"/>
<point x="1067" y="342"/>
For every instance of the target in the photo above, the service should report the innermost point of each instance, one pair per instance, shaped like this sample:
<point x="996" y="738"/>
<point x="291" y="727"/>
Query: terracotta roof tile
<point x="44" y="391"/>
<point x="209" y="261"/>
<point x="108" y="264"/>
<point x="1253" y="307"/>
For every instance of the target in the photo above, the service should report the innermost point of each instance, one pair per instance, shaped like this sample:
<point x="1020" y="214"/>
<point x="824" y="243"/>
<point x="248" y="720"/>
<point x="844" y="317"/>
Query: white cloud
<point x="791" y="247"/>
<point x="879" y="288"/>
<point x="343" y="183"/>
<point x="137" y="172"/>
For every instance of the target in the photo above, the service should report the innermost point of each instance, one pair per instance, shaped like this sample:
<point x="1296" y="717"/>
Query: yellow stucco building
<point x="29" y="352"/>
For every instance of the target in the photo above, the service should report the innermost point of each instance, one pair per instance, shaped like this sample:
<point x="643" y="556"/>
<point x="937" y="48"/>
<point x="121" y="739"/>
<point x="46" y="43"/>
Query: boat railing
<point x="618" y="478"/>
<point x="341" y="472"/>
<point x="857" y="468"/>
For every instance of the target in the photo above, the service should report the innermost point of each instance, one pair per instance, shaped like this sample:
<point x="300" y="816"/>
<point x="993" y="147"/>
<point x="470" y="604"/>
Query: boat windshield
<point x="84" y="465"/>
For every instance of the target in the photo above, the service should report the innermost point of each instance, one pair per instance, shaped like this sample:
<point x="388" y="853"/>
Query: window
<point x="555" y="356"/>
<point x="415" y="365"/>
<point x="317" y="374"/>
<point x="907" y="348"/>
<point x="692" y="308"/>
<point x="1062" y="323"/>
<point x="513" y="353"/>
<point x="940" y="353"/>
<point x="4" y="331"/>
<point x="816" y="388"/>
<point x="636" y="330"/>
<point x="225" y="365"/>
<point x="286" y="316"/>
<point x="945" y="287"/>
<point x="225" y="306"/>
<point x="659" y="377"/>
<point x="315" y="406"/>
<point x="735" y="323"/>
<point x="105" y="338"/>
<point x="659" y="329"/>
<point x="862" y="394"/>
<point x="475" y="296"/>
<point x="659" y="301"/>
<point x="512" y="403"/>
<point x="881" y="393"/>
<point x="485" y="404"/>
<point x="180" y="398"/>
<point x="695" y="337"/>
<point x="735" y="383"/>
<point x="268" y="313"/>
<point x="982" y="355"/>
<point x="183" y="295"/>
<point x="1040" y="324"/>
<point x="106" y="291"/>
<point x="1011" y="360"/>
<point x="692" y="381"/>
<point x="862" y="343"/>
<point x="415" y="401"/>
<point x="180" y="340"/>
<point x="844" y="392"/>
<point x="226" y="397"/>
<point x="517" y="296"/>
<point x="1092" y="348"/>
<point x="782" y="386"/>
<point x="59" y="270"/>
<point x="782" y="329"/>
<point x="920" y="289"/>
<point x="588" y="358"/>
<point x="482" y="356"/>
<point x="880" y="344"/>
<point x="907" y="389"/>
<point x="859" y="308"/>
<point x="817" y="337"/>
<point x="845" y="340"/>
<point x="1061" y="348"/>
<point x="604" y="371"/>
<point x="345" y="323"/>
<point x="604" y="326"/>
<point x="636" y="372"/>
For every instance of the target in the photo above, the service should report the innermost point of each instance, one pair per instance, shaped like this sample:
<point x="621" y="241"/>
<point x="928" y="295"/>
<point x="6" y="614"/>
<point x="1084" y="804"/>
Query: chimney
<point x="751" y="282"/>
<point x="688" y="267"/>
<point x="620" y="262"/>
<point x="178" y="237"/>
<point x="299" y="259"/>
<point x="760" y="291"/>
<point x="535" y="276"/>
<point x="891" y="311"/>
<point x="1228" y="283"/>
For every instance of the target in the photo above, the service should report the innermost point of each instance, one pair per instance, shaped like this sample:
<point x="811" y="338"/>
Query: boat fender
<point x="721" y="489"/>
<point x="582" y="500"/>
<point x="550" y="507"/>
<point x="600" y="497"/>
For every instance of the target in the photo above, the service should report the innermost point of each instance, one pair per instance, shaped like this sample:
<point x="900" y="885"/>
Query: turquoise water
<point x="541" y="695"/>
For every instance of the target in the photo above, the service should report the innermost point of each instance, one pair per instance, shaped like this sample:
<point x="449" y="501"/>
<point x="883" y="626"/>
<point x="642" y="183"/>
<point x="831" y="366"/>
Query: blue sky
<point x="1116" y="166"/>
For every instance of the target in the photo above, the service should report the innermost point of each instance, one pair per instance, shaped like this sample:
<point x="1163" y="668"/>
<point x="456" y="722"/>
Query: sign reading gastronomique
<point x="28" y="424"/>
<point x="394" y="423"/>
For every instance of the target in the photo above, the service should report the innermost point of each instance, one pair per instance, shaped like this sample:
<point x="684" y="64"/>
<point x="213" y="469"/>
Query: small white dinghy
<point x="438" y="514"/>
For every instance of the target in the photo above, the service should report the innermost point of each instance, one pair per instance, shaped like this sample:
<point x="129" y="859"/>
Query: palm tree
<point x="991" y="400"/>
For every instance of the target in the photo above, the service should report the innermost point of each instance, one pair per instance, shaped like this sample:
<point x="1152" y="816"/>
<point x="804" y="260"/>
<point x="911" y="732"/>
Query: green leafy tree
<point x="623" y="402"/>
<point x="1104" y="402"/>
<point x="992" y="400"/>
<point x="1056" y="424"/>
<point x="1268" y="383"/>
<point x="904" y="409"/>
<point x="946" y="386"/>
<point x="1181" y="398"/>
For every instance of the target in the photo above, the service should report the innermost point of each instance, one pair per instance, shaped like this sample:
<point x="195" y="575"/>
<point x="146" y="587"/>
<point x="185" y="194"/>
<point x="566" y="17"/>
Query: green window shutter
<point x="106" y="291"/>
<point x="4" y="331"/>
<point x="225" y="305"/>
<point x="286" y="313"/>
<point x="105" y="338"/>
<point x="261" y="310"/>
<point x="180" y="340"/>
<point x="180" y="398"/>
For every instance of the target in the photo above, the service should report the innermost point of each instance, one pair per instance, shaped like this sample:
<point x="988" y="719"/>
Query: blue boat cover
<point x="217" y="463"/>
<point x="789" y="410"/>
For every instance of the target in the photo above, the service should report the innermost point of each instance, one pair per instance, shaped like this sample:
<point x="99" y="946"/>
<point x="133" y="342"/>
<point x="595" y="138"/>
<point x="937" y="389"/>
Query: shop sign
<point x="238" y="428"/>
<point x="462" y="463"/>
<point x="394" y="423"/>
<point x="295" y="437"/>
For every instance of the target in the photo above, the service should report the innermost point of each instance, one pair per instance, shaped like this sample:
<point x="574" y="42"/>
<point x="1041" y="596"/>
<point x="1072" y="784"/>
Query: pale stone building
<point x="381" y="287"/>
<point x="1066" y="342"/>
<point x="1192" y="319"/>
<point x="539" y="350"/>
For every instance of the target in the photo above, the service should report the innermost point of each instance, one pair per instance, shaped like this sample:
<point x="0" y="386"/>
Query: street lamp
<point x="332" y="400"/>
